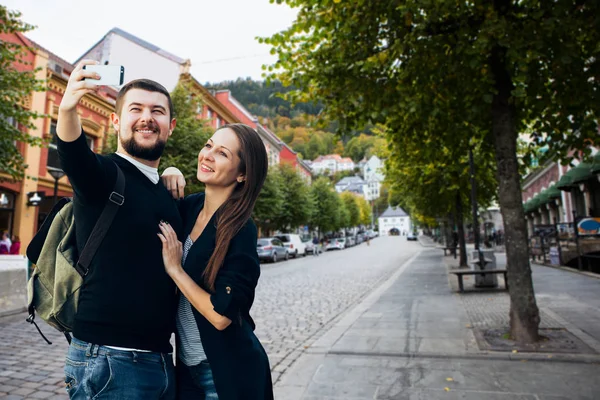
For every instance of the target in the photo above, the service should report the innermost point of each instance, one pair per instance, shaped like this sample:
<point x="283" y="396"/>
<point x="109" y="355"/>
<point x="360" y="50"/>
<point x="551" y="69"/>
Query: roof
<point x="336" y="157"/>
<point x="393" y="212"/>
<point x="140" y="42"/>
<point x="351" y="180"/>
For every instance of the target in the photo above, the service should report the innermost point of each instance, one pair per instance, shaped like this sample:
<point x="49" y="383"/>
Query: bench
<point x="461" y="274"/>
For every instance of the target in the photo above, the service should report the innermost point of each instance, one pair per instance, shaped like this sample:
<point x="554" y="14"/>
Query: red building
<point x="18" y="215"/>
<point x="272" y="143"/>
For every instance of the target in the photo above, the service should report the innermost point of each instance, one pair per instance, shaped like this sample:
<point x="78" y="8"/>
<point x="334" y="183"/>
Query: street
<point x="296" y="302"/>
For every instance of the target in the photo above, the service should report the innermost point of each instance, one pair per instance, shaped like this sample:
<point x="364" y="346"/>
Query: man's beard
<point x="145" y="153"/>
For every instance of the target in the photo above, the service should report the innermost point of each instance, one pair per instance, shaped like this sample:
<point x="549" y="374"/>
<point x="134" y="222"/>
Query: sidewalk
<point x="413" y="338"/>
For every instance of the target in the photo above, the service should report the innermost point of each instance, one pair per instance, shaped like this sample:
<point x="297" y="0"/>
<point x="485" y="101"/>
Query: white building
<point x="140" y="58"/>
<point x="354" y="184"/>
<point x="331" y="163"/>
<point x="373" y="174"/>
<point x="394" y="217"/>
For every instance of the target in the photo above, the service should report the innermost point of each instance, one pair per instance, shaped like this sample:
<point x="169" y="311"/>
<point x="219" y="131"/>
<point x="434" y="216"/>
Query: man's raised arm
<point x="68" y="126"/>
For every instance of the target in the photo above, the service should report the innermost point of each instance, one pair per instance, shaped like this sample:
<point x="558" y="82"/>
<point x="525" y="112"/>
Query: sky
<point x="218" y="36"/>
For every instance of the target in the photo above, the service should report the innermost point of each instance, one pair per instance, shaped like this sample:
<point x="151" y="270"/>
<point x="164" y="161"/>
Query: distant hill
<point x="260" y="99"/>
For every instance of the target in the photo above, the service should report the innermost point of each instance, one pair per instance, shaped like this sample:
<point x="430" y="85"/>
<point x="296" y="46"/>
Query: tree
<point x="342" y="220"/>
<point x="323" y="215"/>
<point x="296" y="200"/>
<point x="189" y="137"/>
<point x="16" y="87"/>
<point x="486" y="69"/>
<point x="270" y="202"/>
<point x="351" y="205"/>
<point x="365" y="211"/>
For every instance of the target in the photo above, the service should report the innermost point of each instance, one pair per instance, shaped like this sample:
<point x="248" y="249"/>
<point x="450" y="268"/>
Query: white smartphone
<point x="110" y="75"/>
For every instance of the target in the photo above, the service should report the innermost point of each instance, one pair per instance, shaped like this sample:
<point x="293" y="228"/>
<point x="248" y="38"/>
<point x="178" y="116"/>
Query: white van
<point x="293" y="243"/>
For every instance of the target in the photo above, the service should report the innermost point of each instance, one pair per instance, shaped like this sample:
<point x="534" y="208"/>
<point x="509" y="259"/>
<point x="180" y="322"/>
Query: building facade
<point x="18" y="215"/>
<point x="140" y="58"/>
<point x="354" y="184"/>
<point x="556" y="193"/>
<point x="372" y="171"/>
<point x="394" y="217"/>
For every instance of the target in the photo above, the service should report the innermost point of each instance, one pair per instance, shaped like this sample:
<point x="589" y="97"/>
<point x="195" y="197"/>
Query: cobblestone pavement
<point x="296" y="302"/>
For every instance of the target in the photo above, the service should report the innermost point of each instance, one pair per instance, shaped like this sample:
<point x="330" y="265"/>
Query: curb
<point x="568" y="269"/>
<point x="537" y="357"/>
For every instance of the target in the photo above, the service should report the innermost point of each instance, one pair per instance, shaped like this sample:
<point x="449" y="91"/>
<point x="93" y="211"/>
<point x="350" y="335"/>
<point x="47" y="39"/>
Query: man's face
<point x="144" y="124"/>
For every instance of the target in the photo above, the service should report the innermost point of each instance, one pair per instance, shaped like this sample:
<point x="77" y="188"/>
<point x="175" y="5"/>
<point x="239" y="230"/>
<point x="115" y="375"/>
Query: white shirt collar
<point x="151" y="173"/>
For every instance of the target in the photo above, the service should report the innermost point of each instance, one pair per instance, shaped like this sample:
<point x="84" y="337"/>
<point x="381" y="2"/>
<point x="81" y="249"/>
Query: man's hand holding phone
<point x="81" y="82"/>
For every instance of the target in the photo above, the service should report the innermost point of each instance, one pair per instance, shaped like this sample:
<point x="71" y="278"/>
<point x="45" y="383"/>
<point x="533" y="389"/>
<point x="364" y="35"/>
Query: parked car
<point x="411" y="236"/>
<point x="310" y="247"/>
<point x="271" y="249"/>
<point x="293" y="243"/>
<point x="371" y="234"/>
<point x="360" y="237"/>
<point x="394" y="232"/>
<point x="336" y="244"/>
<point x="350" y="241"/>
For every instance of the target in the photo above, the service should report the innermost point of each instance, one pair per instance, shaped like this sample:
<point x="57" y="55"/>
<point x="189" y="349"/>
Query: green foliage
<point x="262" y="99"/>
<point x="362" y="146"/>
<point x="270" y="202"/>
<point x="324" y="205"/>
<point x="351" y="205"/>
<point x="296" y="200"/>
<point x="188" y="138"/>
<point x="15" y="89"/>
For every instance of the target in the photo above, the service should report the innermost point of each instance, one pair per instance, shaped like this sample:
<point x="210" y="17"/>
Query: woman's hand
<point x="172" y="249"/>
<point x="174" y="181"/>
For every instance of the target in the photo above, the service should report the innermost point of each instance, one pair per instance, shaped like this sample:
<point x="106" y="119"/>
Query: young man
<point x="126" y="314"/>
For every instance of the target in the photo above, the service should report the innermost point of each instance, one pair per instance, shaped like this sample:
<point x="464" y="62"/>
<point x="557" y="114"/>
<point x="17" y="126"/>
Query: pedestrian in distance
<point x="15" y="248"/>
<point x="216" y="269"/>
<point x="316" y="246"/>
<point x="126" y="314"/>
<point x="5" y="243"/>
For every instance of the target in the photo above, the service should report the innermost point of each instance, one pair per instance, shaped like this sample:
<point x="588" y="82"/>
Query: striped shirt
<point x="191" y="351"/>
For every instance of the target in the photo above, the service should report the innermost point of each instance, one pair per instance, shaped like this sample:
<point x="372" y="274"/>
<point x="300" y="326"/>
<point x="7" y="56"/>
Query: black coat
<point x="238" y="361"/>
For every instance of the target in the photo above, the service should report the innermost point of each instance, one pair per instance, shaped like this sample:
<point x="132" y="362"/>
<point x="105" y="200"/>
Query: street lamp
<point x="56" y="173"/>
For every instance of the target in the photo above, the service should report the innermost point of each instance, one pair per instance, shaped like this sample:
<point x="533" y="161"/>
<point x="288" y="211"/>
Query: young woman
<point x="216" y="270"/>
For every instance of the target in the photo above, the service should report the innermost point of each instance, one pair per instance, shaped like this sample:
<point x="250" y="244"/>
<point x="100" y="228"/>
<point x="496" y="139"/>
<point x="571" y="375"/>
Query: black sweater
<point x="127" y="299"/>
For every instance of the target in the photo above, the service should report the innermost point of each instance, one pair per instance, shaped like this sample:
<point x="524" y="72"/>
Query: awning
<point x="580" y="173"/>
<point x="553" y="192"/>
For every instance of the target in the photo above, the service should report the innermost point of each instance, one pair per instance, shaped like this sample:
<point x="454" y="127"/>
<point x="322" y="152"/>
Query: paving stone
<point x="13" y="397"/>
<point x="31" y="385"/>
<point x="41" y="395"/>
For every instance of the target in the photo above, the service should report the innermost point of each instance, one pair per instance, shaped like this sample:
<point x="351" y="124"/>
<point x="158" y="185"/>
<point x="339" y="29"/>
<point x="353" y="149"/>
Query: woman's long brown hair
<point x="237" y="209"/>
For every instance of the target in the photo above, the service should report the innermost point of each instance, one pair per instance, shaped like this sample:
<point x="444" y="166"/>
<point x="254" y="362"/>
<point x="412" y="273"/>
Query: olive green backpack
<point x="53" y="289"/>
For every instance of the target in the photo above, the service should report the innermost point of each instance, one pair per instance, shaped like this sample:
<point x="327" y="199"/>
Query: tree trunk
<point x="524" y="313"/>
<point x="461" y="231"/>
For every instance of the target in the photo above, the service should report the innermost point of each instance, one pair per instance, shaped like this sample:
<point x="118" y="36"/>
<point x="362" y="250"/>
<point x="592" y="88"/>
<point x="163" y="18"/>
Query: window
<point x="208" y="113"/>
<point x="53" y="160"/>
<point x="218" y="122"/>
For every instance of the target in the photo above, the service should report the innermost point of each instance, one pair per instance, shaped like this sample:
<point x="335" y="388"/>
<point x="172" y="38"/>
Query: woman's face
<point x="218" y="161"/>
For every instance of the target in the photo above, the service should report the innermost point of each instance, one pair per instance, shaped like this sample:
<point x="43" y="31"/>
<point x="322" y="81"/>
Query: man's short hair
<point x="144" y="84"/>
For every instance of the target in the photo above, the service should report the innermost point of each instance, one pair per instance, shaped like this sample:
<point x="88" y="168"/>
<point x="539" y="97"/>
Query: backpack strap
<point x="115" y="200"/>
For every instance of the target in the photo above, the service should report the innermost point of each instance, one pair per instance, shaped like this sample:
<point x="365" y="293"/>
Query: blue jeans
<point x="195" y="382"/>
<point x="99" y="372"/>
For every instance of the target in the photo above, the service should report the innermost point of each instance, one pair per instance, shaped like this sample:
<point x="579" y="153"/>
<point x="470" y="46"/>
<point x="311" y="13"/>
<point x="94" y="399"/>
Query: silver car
<point x="271" y="249"/>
